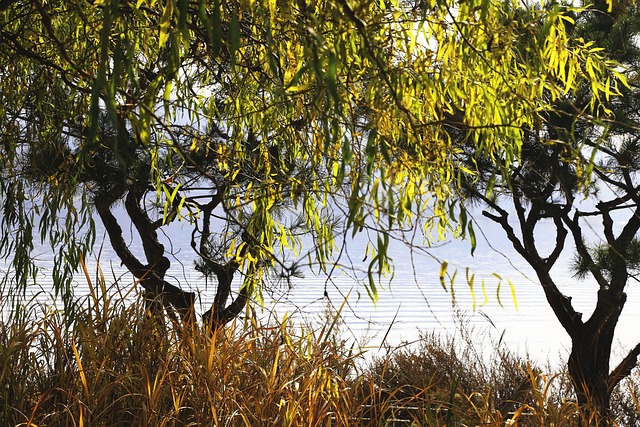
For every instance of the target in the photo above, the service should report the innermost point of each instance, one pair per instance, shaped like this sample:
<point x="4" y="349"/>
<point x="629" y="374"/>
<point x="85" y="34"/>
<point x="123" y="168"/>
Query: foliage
<point x="258" y="108"/>
<point x="601" y="256"/>
<point x="572" y="171"/>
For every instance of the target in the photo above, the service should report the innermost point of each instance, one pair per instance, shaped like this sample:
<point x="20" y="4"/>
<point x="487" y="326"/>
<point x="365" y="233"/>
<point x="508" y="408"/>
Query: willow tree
<point x="256" y="112"/>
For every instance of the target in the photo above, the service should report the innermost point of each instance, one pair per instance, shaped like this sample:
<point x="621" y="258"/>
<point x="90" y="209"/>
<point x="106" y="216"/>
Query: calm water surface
<point x="413" y="300"/>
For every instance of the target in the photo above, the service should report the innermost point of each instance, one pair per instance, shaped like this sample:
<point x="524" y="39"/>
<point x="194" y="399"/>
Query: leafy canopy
<point x="361" y="96"/>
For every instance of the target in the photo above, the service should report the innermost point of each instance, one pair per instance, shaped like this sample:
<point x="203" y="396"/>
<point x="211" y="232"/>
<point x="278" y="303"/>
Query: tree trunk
<point x="220" y="313"/>
<point x="159" y="294"/>
<point x="589" y="371"/>
<point x="591" y="355"/>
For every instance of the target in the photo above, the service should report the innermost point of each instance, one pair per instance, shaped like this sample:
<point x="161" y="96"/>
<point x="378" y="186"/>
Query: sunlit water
<point x="413" y="300"/>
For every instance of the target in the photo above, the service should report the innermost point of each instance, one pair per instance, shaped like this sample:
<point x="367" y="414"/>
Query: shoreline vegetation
<point x="108" y="364"/>
<point x="273" y="131"/>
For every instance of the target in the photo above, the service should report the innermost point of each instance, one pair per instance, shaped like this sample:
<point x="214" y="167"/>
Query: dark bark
<point x="624" y="368"/>
<point x="159" y="293"/>
<point x="559" y="303"/>
<point x="591" y="353"/>
<point x="591" y="340"/>
<point x="220" y="313"/>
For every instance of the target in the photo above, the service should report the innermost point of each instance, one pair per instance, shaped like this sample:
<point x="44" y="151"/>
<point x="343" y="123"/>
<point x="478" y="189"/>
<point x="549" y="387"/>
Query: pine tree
<point x="566" y="157"/>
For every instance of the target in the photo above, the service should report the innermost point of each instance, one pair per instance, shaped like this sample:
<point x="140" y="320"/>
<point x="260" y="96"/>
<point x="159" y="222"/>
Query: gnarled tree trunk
<point x="159" y="294"/>
<point x="591" y="353"/>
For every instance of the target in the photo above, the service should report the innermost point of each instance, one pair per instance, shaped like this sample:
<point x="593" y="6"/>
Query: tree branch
<point x="103" y="206"/>
<point x="582" y="249"/>
<point x="561" y="236"/>
<point x="149" y="277"/>
<point x="153" y="249"/>
<point x="623" y="369"/>
<point x="559" y="303"/>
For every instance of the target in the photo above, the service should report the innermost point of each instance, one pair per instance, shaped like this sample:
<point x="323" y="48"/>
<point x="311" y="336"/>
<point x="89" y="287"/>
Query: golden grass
<point x="108" y="365"/>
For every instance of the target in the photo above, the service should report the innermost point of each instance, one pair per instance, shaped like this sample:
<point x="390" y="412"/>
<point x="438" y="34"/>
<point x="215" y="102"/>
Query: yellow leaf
<point x="443" y="272"/>
<point x="165" y="23"/>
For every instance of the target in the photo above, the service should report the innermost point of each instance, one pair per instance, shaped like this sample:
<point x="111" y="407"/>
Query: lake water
<point x="414" y="300"/>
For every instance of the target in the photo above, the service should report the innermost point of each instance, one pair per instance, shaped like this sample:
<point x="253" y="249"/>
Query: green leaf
<point x="234" y="35"/>
<point x="370" y="150"/>
<point x="331" y="76"/>
<point x="372" y="290"/>
<point x="513" y="294"/>
<point x="470" y="280"/>
<point x="165" y="23"/>
<point x="472" y="237"/>
<point x="183" y="7"/>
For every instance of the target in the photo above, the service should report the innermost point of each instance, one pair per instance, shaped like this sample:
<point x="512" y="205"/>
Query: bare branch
<point x="623" y="369"/>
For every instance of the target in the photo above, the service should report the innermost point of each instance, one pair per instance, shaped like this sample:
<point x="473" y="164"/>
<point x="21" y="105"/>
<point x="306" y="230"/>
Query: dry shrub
<point x="455" y="380"/>
<point x="470" y="380"/>
<point x="111" y="365"/>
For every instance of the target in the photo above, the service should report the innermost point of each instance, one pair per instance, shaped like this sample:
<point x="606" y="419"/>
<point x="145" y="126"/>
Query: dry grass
<point x="471" y="381"/>
<point x="108" y="365"/>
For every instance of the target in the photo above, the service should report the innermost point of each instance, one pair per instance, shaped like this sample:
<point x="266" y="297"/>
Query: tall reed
<point x="108" y="364"/>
